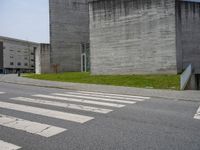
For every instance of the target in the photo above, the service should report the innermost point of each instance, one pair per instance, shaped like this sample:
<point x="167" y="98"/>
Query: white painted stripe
<point x="2" y="92"/>
<point x="197" y="115"/>
<point x="8" y="146"/>
<point x="118" y="95"/>
<point x="94" y="98"/>
<point x="46" y="112"/>
<point x="29" y="126"/>
<point x="79" y="100"/>
<point x="64" y="105"/>
<point x="105" y="96"/>
<point x="198" y="111"/>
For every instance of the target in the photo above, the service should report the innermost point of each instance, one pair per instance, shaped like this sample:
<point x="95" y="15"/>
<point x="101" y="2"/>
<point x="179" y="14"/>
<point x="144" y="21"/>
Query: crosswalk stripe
<point x="79" y="100"/>
<point x="2" y="92"/>
<point x="8" y="146"/>
<point x="94" y="98"/>
<point x="118" y="95"/>
<point x="29" y="126"/>
<point x="46" y="112"/>
<point x="105" y="96"/>
<point x="65" y="105"/>
<point x="197" y="115"/>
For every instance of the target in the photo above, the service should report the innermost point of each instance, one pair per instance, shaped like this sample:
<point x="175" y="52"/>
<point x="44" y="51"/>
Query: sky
<point x="25" y="19"/>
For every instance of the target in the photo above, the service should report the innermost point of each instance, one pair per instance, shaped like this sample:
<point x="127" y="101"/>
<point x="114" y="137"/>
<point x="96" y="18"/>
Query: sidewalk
<point x="175" y="95"/>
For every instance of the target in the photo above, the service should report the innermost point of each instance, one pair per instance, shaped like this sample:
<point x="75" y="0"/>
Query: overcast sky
<point x="25" y="19"/>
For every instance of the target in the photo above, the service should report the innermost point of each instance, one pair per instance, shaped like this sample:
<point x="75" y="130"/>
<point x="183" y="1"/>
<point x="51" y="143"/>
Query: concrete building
<point x="69" y="31"/>
<point x="42" y="62"/>
<point x="17" y="55"/>
<point x="188" y="37"/>
<point x="144" y="36"/>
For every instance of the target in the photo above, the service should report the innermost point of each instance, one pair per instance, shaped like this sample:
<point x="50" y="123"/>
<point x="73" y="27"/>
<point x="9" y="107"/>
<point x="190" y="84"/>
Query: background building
<point x="69" y="30"/>
<point x="17" y="55"/>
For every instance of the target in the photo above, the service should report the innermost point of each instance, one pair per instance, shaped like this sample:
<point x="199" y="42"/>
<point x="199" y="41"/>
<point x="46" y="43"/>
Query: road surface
<point x="39" y="118"/>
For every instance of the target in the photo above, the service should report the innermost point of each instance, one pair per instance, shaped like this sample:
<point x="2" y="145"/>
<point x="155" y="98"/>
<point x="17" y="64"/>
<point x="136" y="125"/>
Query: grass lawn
<point x="143" y="81"/>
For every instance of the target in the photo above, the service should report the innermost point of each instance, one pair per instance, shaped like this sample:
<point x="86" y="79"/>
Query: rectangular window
<point x="19" y="63"/>
<point x="11" y="63"/>
<point x="11" y="56"/>
<point x="25" y="64"/>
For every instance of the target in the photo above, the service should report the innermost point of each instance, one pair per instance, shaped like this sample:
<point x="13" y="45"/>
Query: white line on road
<point x="2" y="92"/>
<point x="197" y="115"/>
<point x="94" y="98"/>
<point x="46" y="112"/>
<point x="79" y="100"/>
<point x="198" y="111"/>
<point x="29" y="126"/>
<point x="64" y="105"/>
<point x="118" y="95"/>
<point x="8" y="146"/>
<point x="105" y="96"/>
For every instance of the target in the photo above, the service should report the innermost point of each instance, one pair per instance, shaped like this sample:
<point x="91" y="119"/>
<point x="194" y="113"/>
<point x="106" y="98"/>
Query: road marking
<point x="94" y="98"/>
<point x="79" y="100"/>
<point x="29" y="126"/>
<point x="106" y="96"/>
<point x="8" y="146"/>
<point x="118" y="95"/>
<point x="64" y="105"/>
<point x="2" y="92"/>
<point x="197" y="115"/>
<point x="46" y="112"/>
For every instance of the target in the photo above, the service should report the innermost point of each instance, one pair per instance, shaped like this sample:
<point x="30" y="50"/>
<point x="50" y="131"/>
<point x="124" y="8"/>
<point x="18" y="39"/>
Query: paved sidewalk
<point x="175" y="95"/>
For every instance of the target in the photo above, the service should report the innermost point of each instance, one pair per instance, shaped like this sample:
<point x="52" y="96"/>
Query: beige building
<point x="17" y="55"/>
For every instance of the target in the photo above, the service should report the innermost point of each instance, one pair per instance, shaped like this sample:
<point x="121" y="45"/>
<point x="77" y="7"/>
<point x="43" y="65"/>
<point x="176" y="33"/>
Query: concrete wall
<point x="1" y="55"/>
<point x="132" y="36"/>
<point x="69" y="27"/>
<point x="188" y="35"/>
<point x="43" y="59"/>
<point x="18" y="54"/>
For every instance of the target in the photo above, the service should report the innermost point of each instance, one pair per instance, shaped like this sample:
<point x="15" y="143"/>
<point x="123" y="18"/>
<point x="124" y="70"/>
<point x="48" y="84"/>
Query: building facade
<point x="17" y="55"/>
<point x="144" y="36"/>
<point x="42" y="59"/>
<point x="132" y="36"/>
<point x="188" y="34"/>
<point x="69" y="30"/>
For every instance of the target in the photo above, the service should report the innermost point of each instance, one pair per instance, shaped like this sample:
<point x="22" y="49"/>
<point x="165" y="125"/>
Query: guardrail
<point x="185" y="77"/>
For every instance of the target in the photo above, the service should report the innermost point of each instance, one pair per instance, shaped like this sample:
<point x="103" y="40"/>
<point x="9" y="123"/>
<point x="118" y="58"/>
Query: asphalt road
<point x="38" y="118"/>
